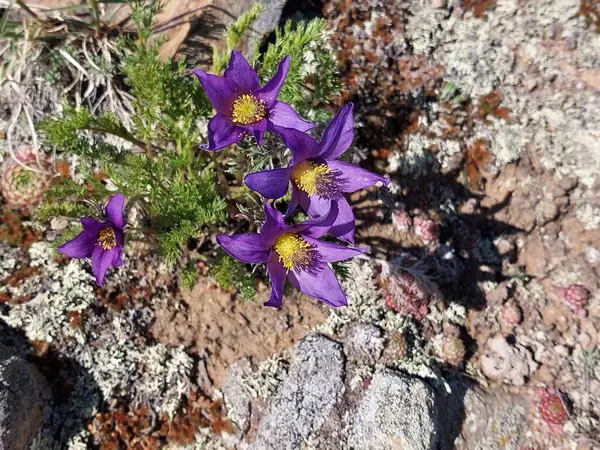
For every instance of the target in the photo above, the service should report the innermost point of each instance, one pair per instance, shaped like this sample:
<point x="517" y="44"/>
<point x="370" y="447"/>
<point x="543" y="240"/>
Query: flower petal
<point x="269" y="92"/>
<point x="117" y="261"/>
<point x="283" y="115"/>
<point x="247" y="247"/>
<point x="339" y="134"/>
<point x="277" y="275"/>
<point x="220" y="91"/>
<point x="269" y="183"/>
<point x="273" y="226"/>
<point x="222" y="132"/>
<point x="301" y="144"/>
<point x="241" y="73"/>
<point x="343" y="228"/>
<point x="93" y="226"/>
<point x="258" y="129"/>
<point x="319" y="227"/>
<point x="101" y="261"/>
<point x="353" y="178"/>
<point x="330" y="252"/>
<point x="321" y="283"/>
<point x="315" y="206"/>
<point x="293" y="204"/>
<point x="81" y="246"/>
<point x="114" y="210"/>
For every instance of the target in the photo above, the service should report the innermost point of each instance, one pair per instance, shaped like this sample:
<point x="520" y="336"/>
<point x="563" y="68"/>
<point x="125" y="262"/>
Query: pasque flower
<point x="243" y="106"/>
<point x="318" y="178"/>
<point x="293" y="253"/>
<point x="102" y="241"/>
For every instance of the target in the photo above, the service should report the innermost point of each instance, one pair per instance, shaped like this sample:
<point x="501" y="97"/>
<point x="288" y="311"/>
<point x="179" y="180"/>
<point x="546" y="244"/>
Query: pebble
<point x="437" y="4"/>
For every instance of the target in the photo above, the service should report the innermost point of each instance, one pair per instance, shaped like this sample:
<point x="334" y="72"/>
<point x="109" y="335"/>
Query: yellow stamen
<point x="107" y="238"/>
<point x="311" y="177"/>
<point x="293" y="251"/>
<point x="247" y="109"/>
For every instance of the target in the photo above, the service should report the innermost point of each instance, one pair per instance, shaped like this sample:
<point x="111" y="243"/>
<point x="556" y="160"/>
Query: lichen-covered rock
<point x="313" y="387"/>
<point x="24" y="394"/>
<point x="512" y="364"/>
<point x="397" y="411"/>
<point x="364" y="343"/>
<point x="237" y="399"/>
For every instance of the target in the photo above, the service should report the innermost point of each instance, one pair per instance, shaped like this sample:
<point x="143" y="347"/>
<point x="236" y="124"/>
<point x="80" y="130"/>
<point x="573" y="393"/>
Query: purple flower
<point x="319" y="180"/>
<point x="102" y="241"/>
<point x="243" y="106"/>
<point x="295" y="253"/>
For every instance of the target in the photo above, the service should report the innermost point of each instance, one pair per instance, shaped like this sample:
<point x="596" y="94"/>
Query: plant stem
<point x="26" y="8"/>
<point x="96" y="16"/>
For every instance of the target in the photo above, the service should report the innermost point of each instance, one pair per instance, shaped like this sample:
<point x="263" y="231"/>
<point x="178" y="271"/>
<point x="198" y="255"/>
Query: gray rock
<point x="313" y="387"/>
<point x="397" y="411"/>
<point x="237" y="399"/>
<point x="24" y="394"/>
<point x="364" y="343"/>
<point x="483" y="419"/>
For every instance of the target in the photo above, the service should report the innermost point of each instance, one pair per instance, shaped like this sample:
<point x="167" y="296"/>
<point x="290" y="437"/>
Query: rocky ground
<point x="474" y="323"/>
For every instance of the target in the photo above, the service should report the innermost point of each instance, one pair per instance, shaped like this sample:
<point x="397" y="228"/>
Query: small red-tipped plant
<point x="576" y="296"/>
<point x="426" y="228"/>
<point x="552" y="409"/>
<point x="401" y="220"/>
<point x="510" y="316"/>
<point x="405" y="296"/>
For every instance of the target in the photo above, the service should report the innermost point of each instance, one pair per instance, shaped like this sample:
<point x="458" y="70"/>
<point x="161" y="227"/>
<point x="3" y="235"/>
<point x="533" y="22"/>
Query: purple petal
<point x="114" y="210"/>
<point x="333" y="253"/>
<point x="317" y="228"/>
<point x="247" y="247"/>
<point x="343" y="228"/>
<point x="269" y="183"/>
<point x="283" y="115"/>
<point x="277" y="275"/>
<point x="117" y="261"/>
<point x="273" y="226"/>
<point x="320" y="283"/>
<point x="315" y="206"/>
<point x="269" y="92"/>
<point x="101" y="261"/>
<point x="293" y="204"/>
<point x="220" y="91"/>
<point x="339" y="134"/>
<point x="222" y="132"/>
<point x="301" y="144"/>
<point x="258" y="129"/>
<point x="93" y="226"/>
<point x="240" y="72"/>
<point x="353" y="178"/>
<point x="81" y="246"/>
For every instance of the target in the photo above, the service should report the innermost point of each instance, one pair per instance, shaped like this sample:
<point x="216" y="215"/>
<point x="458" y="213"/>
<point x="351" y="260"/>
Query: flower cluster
<point x="318" y="181"/>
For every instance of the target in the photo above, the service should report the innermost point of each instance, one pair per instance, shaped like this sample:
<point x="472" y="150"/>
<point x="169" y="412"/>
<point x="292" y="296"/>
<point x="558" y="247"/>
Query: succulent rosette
<point x="243" y="106"/>
<point x="294" y="253"/>
<point x="102" y="241"/>
<point x="318" y="178"/>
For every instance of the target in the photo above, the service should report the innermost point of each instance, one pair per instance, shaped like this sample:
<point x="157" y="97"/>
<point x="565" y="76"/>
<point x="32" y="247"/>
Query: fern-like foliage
<point x="232" y="274"/>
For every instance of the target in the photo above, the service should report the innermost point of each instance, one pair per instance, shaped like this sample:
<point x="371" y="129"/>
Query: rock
<point x="511" y="364"/>
<point x="397" y="412"/>
<point x="438" y="4"/>
<point x="24" y="394"/>
<point x="237" y="399"/>
<point x="314" y="385"/>
<point x="58" y="224"/>
<point x="364" y="343"/>
<point x="488" y="419"/>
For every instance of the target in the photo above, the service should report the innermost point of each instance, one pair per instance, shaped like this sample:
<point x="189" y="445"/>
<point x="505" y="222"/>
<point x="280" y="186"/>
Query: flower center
<point x="107" y="238"/>
<point x="247" y="109"/>
<point x="293" y="251"/>
<point x="313" y="178"/>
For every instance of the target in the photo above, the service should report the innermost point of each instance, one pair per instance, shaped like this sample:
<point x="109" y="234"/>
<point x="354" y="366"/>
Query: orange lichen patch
<point x="122" y="427"/>
<point x="477" y="160"/>
<point x="590" y="10"/>
<point x="489" y="105"/>
<point x="479" y="7"/>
